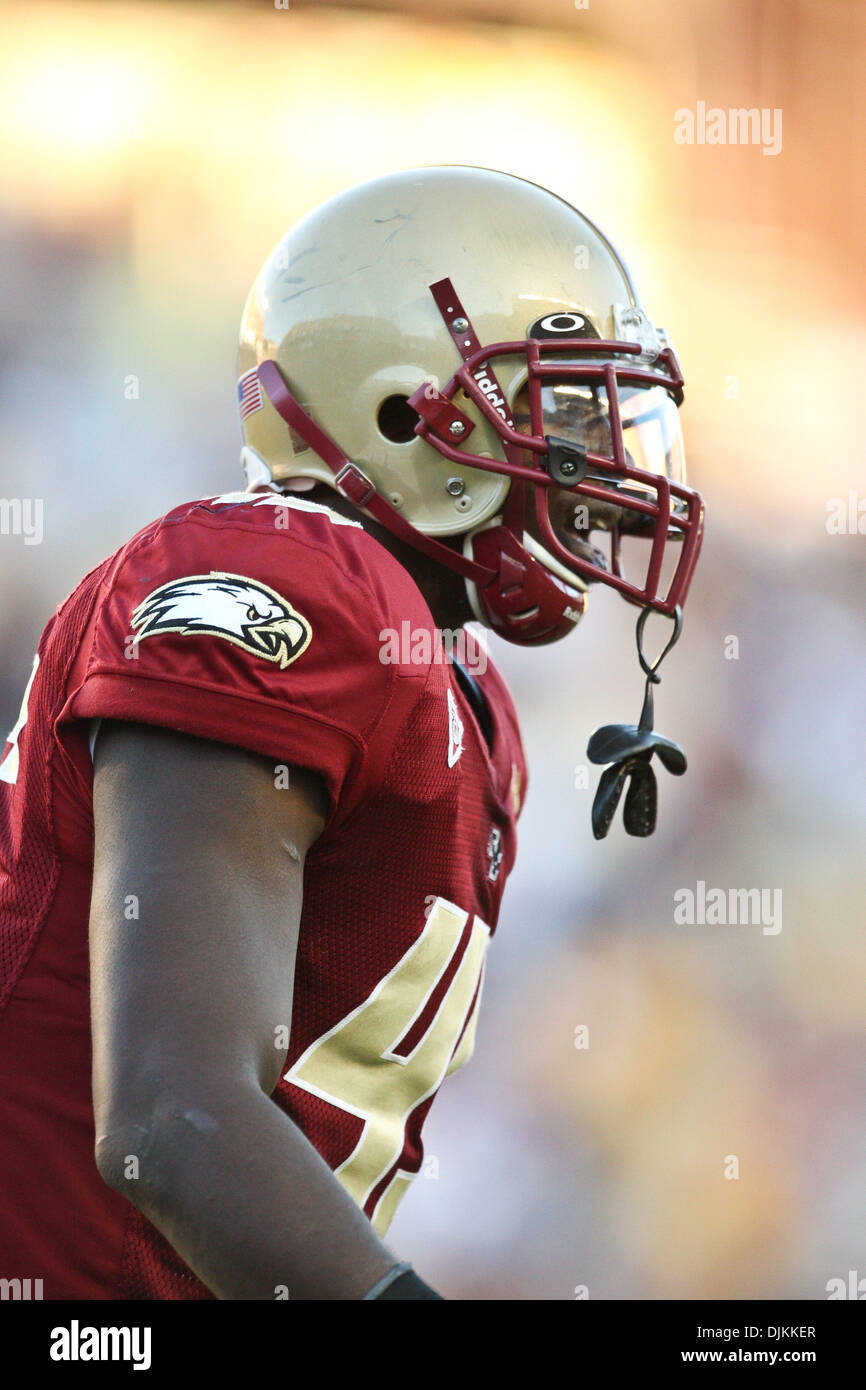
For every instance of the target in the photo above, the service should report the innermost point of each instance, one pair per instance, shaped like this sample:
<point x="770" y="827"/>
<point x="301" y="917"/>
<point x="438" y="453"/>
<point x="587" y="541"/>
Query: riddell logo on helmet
<point x="491" y="391"/>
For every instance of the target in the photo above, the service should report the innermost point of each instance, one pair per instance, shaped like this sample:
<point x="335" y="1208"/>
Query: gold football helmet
<point x="461" y="352"/>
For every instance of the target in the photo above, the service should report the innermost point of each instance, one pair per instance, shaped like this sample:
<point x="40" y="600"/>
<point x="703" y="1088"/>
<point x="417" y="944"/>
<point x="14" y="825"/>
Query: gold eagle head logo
<point x="241" y="611"/>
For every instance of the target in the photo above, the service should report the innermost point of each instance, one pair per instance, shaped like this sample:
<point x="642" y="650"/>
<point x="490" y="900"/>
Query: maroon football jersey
<point x="274" y="624"/>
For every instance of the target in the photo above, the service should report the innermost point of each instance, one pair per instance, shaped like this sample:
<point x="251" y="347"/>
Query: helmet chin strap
<point x="354" y="484"/>
<point x="538" y="552"/>
<point x="524" y="603"/>
<point x="509" y="589"/>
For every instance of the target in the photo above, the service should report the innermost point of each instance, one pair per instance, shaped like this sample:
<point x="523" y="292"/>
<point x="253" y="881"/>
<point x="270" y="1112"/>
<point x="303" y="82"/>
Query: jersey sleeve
<point x="225" y="625"/>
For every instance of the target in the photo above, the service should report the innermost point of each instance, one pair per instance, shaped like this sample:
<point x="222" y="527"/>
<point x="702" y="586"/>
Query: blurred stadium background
<point x="151" y="155"/>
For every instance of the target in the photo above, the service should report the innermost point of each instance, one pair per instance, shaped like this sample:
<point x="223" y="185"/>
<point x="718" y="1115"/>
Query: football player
<point x="258" y="809"/>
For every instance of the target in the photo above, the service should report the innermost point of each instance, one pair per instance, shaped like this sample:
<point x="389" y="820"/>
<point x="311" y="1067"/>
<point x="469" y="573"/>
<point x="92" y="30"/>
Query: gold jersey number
<point x="393" y="1051"/>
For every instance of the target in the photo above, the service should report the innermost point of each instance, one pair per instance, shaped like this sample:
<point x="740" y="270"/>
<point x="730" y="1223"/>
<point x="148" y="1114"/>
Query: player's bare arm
<point x="191" y="1012"/>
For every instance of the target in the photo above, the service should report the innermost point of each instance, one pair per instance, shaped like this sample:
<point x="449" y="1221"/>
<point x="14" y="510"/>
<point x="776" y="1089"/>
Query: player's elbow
<point x="147" y="1144"/>
<point x="139" y="1141"/>
<point x="128" y="1151"/>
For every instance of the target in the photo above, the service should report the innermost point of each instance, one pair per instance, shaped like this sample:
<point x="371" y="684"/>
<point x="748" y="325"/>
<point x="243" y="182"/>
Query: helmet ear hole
<point x="397" y="420"/>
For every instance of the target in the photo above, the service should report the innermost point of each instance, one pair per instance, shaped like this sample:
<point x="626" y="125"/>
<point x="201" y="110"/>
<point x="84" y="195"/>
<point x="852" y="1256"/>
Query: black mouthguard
<point x="629" y="749"/>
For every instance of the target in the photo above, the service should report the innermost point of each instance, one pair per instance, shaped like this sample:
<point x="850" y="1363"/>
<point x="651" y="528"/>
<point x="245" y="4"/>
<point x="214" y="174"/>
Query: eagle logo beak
<point x="280" y="640"/>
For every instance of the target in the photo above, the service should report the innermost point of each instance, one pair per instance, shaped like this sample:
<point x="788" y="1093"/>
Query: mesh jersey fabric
<point x="401" y="892"/>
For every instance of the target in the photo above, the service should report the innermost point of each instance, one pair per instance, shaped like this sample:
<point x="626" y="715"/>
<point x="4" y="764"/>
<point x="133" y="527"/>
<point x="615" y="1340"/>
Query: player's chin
<point x="571" y="529"/>
<point x="582" y="548"/>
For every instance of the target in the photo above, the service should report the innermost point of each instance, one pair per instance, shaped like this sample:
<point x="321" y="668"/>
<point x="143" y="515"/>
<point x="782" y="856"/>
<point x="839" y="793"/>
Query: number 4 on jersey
<point x="393" y="1051"/>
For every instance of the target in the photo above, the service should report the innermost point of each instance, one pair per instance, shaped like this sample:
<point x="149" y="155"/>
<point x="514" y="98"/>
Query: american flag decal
<point x="249" y="393"/>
